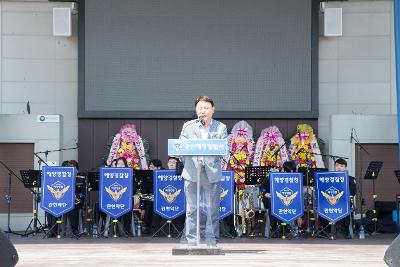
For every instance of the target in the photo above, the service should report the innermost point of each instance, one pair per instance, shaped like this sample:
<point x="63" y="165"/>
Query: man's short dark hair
<point x="156" y="163"/>
<point x="175" y="158"/>
<point x="289" y="166"/>
<point x="205" y="99"/>
<point x="65" y="163"/>
<point x="73" y="163"/>
<point x="341" y="161"/>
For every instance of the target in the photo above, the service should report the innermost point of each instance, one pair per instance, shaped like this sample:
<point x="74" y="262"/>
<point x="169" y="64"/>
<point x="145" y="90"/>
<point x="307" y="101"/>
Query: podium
<point x="197" y="147"/>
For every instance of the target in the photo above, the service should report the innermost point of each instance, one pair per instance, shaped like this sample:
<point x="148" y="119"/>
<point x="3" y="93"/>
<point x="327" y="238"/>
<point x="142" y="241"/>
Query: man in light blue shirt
<point x="206" y="169"/>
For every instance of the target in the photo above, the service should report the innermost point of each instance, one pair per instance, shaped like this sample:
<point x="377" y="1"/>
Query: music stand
<point x="93" y="185"/>
<point x="93" y="181"/>
<point x="372" y="173"/>
<point x="254" y="175"/>
<point x="309" y="196"/>
<point x="373" y="170"/>
<point x="32" y="180"/>
<point x="82" y="204"/>
<point x="309" y="174"/>
<point x="144" y="181"/>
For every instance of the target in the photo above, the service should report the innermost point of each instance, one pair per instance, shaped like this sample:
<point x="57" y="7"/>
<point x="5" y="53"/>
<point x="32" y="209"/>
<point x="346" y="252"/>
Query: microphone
<point x="201" y="120"/>
<point x="351" y="136"/>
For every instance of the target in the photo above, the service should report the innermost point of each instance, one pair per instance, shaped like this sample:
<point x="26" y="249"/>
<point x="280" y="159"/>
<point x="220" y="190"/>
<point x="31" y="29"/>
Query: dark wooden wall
<point x="17" y="157"/>
<point x="386" y="185"/>
<point x="93" y="135"/>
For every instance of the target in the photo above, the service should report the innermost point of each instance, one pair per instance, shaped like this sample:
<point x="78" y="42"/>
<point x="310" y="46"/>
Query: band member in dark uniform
<point x="51" y="220"/>
<point x="341" y="165"/>
<point x="152" y="221"/>
<point x="179" y="222"/>
<point x="288" y="166"/>
<point x="73" y="215"/>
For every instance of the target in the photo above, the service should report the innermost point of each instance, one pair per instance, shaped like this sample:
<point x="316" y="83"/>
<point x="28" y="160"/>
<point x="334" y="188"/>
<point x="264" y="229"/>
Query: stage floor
<point x="145" y="251"/>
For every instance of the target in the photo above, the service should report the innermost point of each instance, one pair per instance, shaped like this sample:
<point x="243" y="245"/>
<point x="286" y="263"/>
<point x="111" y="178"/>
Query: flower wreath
<point x="128" y="144"/>
<point x="304" y="148"/>
<point x="270" y="148"/>
<point x="241" y="146"/>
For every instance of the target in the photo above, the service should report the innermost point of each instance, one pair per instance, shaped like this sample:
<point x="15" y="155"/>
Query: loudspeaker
<point x="392" y="254"/>
<point x="8" y="253"/>
<point x="333" y="22"/>
<point x="61" y="21"/>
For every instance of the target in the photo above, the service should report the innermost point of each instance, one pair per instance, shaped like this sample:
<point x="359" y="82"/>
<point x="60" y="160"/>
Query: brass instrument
<point x="250" y="214"/>
<point x="149" y="197"/>
<point x="243" y="213"/>
<point x="77" y="201"/>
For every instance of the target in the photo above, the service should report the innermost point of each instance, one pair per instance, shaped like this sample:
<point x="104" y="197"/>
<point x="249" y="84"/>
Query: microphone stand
<point x="46" y="152"/>
<point x="352" y="138"/>
<point x="276" y="153"/>
<point x="8" y="198"/>
<point x="40" y="160"/>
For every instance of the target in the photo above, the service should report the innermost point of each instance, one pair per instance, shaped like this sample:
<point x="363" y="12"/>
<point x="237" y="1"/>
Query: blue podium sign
<point x="195" y="147"/>
<point x="58" y="189"/>
<point x="333" y="202"/>
<point x="116" y="191"/>
<point x="226" y="195"/>
<point x="287" y="202"/>
<point x="169" y="196"/>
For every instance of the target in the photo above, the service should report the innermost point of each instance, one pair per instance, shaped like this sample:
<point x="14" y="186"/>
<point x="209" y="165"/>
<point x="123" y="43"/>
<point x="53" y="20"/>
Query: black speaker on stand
<point x="392" y="254"/>
<point x="8" y="255"/>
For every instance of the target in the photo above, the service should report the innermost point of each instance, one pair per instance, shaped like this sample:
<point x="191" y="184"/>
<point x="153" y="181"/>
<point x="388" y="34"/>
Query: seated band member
<point x="51" y="220"/>
<point x="341" y="165"/>
<point x="124" y="222"/>
<point x="179" y="221"/>
<point x="288" y="166"/>
<point x="73" y="216"/>
<point x="172" y="162"/>
<point x="152" y="221"/>
<point x="203" y="169"/>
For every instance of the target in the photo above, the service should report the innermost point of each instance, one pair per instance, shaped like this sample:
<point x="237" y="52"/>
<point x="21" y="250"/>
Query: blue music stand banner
<point x="226" y="195"/>
<point x="58" y="190"/>
<point x="116" y="187"/>
<point x="195" y="147"/>
<point x="287" y="202"/>
<point x="169" y="195"/>
<point x="333" y="202"/>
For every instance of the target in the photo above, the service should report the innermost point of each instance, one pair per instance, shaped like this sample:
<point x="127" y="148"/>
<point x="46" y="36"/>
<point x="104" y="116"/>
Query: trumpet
<point x="149" y="197"/>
